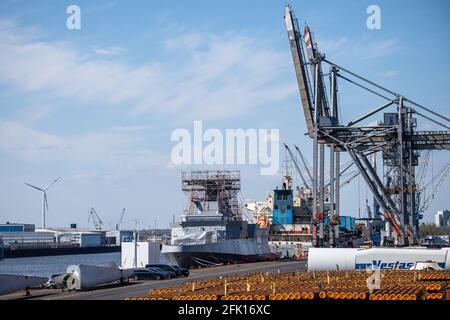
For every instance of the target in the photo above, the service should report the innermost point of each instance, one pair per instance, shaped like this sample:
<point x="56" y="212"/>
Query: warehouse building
<point x="16" y="227"/>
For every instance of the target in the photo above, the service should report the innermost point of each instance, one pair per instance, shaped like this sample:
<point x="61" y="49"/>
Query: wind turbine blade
<point x="33" y="187"/>
<point x="51" y="184"/>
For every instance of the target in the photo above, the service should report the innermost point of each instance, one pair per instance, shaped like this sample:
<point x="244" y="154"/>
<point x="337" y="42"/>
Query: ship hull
<point x="219" y="253"/>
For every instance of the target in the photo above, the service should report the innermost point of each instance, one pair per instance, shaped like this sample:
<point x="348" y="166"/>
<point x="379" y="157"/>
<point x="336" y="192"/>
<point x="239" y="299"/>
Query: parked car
<point x="166" y="274"/>
<point x="184" y="271"/>
<point x="171" y="268"/>
<point x="149" y="274"/>
<point x="173" y="273"/>
<point x="167" y="268"/>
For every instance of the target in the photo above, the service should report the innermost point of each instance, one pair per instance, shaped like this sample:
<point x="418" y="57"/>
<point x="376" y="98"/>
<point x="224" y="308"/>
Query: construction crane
<point x="93" y="216"/>
<point x="120" y="220"/>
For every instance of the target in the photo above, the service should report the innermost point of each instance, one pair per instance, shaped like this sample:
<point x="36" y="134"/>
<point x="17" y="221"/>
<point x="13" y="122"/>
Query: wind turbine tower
<point x="44" y="198"/>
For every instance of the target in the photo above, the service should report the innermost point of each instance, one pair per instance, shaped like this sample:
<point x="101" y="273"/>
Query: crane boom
<point x="300" y="68"/>
<point x="423" y="167"/>
<point x="296" y="166"/>
<point x="442" y="176"/>
<point x="349" y="179"/>
<point x="305" y="164"/>
<point x="315" y="56"/>
<point x="120" y="220"/>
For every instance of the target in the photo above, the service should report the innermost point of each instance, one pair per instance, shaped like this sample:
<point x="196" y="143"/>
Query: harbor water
<point x="50" y="265"/>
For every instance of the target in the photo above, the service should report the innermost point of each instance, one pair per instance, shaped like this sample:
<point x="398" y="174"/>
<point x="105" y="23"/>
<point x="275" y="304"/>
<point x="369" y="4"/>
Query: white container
<point x="148" y="252"/>
<point x="321" y="259"/>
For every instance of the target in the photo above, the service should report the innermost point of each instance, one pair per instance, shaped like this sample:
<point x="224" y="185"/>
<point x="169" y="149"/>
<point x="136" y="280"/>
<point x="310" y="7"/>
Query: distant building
<point x="116" y="237"/>
<point x="16" y="227"/>
<point x="76" y="237"/>
<point x="24" y="239"/>
<point x="442" y="218"/>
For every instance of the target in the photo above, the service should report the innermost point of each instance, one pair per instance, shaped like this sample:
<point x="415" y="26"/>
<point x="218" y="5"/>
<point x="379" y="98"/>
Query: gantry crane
<point x="396" y="138"/>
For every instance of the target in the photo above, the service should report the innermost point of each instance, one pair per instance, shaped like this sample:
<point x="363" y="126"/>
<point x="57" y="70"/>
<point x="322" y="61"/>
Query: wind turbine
<point x="44" y="198"/>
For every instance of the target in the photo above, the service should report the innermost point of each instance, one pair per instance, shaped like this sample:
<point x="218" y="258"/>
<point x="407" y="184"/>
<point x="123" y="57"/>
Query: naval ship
<point x="211" y="231"/>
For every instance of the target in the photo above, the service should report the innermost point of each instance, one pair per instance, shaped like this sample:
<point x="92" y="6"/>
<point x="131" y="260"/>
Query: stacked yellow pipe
<point x="395" y="285"/>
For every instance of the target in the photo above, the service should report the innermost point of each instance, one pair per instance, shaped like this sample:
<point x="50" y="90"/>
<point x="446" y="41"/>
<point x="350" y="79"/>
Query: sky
<point x="97" y="106"/>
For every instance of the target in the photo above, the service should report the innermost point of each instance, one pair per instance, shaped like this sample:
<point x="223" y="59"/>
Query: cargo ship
<point x="212" y="231"/>
<point x="287" y="212"/>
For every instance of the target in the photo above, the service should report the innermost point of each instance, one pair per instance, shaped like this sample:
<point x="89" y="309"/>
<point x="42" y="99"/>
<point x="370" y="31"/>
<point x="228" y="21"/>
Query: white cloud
<point x="32" y="114"/>
<point x="110" y="51"/>
<point x="101" y="7"/>
<point x="388" y="73"/>
<point x="111" y="151"/>
<point x="208" y="75"/>
<point x="17" y="138"/>
<point x="188" y="41"/>
<point x="131" y="128"/>
<point x="332" y="45"/>
<point x="357" y="48"/>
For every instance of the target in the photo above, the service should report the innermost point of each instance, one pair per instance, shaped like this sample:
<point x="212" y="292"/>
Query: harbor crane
<point x="306" y="183"/>
<point x="93" y="216"/>
<point x="396" y="139"/>
<point x="423" y="201"/>
<point x="305" y="163"/>
<point x="120" y="219"/>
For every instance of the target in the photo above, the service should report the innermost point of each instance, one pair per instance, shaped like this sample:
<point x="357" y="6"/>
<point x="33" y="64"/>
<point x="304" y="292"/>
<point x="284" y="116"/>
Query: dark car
<point x="149" y="274"/>
<point x="183" y="271"/>
<point x="166" y="267"/>
<point x="171" y="272"/>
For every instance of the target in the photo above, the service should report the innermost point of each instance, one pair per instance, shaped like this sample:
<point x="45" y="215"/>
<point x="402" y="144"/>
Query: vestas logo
<point x="378" y="264"/>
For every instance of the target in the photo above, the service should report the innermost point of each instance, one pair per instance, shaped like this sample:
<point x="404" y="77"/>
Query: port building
<point x="442" y="218"/>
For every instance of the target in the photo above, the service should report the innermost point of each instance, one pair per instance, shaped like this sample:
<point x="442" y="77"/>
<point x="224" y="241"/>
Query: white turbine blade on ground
<point x="33" y="187"/>
<point x="51" y="184"/>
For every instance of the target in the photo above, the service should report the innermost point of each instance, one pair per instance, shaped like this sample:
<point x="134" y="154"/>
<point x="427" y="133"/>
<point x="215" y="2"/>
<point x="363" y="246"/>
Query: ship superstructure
<point x="211" y="230"/>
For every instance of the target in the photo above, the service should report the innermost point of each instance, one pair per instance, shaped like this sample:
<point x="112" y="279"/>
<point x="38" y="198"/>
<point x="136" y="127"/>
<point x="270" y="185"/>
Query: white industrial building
<point x="27" y="239"/>
<point x="26" y="236"/>
<point x="77" y="237"/>
<point x="139" y="254"/>
<point x="442" y="218"/>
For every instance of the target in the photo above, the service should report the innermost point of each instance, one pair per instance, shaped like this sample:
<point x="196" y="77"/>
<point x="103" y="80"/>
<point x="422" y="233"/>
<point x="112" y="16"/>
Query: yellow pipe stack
<point x="349" y="285"/>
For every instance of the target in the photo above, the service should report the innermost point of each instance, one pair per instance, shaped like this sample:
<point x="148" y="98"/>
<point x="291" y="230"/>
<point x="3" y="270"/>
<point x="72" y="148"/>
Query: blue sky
<point x="97" y="106"/>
